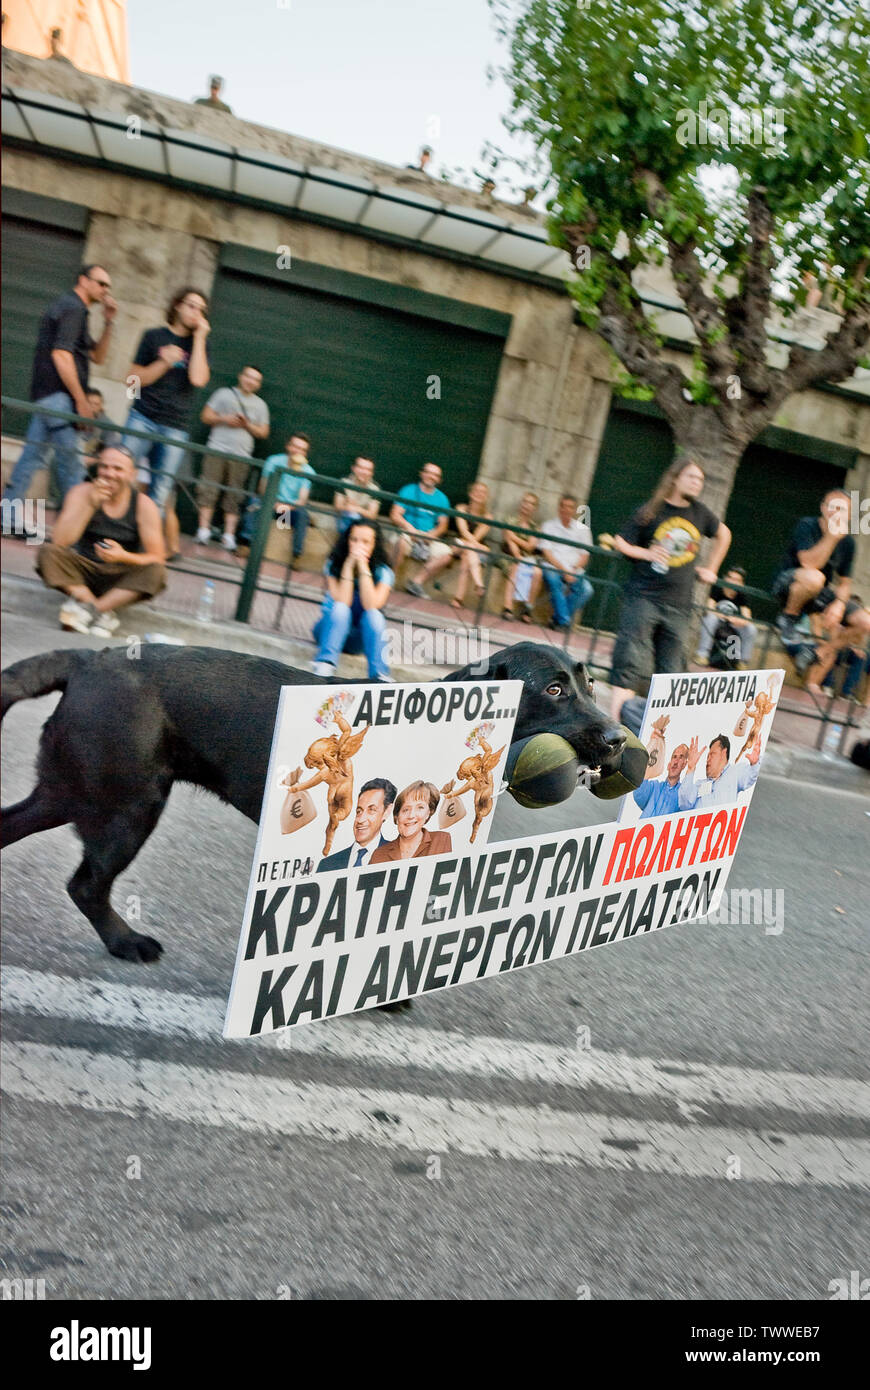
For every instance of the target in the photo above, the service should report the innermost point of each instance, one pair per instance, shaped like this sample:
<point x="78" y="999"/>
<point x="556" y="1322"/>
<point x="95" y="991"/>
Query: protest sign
<point x="335" y="942"/>
<point x="332" y="741"/>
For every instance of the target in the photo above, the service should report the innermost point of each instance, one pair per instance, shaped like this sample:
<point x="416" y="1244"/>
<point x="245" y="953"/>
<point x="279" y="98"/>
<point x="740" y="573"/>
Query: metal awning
<point x="138" y="146"/>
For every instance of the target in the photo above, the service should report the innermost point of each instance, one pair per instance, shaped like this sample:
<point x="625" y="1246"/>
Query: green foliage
<point x="612" y="93"/>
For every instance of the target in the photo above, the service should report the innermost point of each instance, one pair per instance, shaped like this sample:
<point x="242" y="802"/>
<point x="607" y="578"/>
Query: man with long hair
<point x="663" y="541"/>
<point x="170" y="366"/>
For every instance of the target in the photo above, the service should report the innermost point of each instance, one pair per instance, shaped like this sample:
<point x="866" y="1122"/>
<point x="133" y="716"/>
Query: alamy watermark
<point x="729" y="126"/>
<point x="407" y="645"/>
<point x="24" y="517"/>
<point x="748" y="907"/>
<point x="854" y="519"/>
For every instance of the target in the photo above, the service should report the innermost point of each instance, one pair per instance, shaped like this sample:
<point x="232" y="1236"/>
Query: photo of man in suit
<point x="373" y="803"/>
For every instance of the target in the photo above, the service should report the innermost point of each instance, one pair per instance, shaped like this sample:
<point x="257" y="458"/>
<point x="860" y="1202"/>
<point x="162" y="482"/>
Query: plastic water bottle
<point x="831" y="745"/>
<point x="205" y="611"/>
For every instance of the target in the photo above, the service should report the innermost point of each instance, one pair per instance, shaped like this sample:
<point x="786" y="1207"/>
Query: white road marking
<point x="74" y="1077"/>
<point x="395" y="1043"/>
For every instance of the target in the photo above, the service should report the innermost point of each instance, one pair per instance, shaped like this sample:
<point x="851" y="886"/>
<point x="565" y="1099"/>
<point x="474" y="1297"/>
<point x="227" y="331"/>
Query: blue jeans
<point x="164" y="460"/>
<point x="44" y="433"/>
<point x="352" y="628"/>
<point x="566" y="602"/>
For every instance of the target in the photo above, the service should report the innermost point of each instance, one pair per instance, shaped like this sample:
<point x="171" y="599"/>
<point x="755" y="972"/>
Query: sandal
<point x="507" y="614"/>
<point x="457" y="604"/>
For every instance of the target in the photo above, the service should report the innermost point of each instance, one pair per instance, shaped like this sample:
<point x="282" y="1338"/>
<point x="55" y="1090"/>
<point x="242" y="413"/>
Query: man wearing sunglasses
<point x="64" y="351"/>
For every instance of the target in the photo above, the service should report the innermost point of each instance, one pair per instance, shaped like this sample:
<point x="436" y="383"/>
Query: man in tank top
<point x="107" y="547"/>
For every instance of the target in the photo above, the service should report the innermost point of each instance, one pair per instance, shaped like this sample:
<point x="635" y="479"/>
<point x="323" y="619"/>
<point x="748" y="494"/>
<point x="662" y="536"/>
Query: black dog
<point x="126" y="729"/>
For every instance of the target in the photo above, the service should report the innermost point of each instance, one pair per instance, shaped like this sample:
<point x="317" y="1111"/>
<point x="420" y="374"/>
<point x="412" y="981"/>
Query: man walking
<point x="106" y="550"/>
<point x="568" y="587"/>
<point x="663" y="541"/>
<point x="59" y="381"/>
<point x="170" y="366"/>
<point x="237" y="417"/>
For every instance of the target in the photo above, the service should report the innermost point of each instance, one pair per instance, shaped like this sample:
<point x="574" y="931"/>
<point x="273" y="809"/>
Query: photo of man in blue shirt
<point x="722" y="782"/>
<point x="660" y="796"/>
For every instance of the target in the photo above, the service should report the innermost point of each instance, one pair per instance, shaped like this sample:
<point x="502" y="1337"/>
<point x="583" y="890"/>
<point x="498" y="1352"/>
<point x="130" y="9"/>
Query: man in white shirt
<point x="238" y="417"/>
<point x="568" y="586"/>
<point x="722" y="782"/>
<point x="373" y="803"/>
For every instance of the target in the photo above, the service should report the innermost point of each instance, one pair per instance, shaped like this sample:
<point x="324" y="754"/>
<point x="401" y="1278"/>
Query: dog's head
<point x="556" y="699"/>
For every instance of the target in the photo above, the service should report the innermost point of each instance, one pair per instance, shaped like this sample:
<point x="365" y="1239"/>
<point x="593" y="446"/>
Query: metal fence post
<point x="258" y="546"/>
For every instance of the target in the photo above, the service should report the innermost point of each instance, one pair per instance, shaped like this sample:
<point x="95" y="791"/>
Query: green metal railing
<point x="605" y="584"/>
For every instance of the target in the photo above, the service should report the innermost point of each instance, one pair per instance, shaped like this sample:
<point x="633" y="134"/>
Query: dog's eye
<point x="554" y="689"/>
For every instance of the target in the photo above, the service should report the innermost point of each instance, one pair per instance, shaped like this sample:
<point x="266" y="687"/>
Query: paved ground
<point x="472" y="1148"/>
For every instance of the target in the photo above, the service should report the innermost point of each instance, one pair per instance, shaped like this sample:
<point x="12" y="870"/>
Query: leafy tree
<point x="752" y="200"/>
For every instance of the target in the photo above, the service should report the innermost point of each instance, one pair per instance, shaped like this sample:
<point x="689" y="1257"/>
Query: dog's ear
<point x="581" y="675"/>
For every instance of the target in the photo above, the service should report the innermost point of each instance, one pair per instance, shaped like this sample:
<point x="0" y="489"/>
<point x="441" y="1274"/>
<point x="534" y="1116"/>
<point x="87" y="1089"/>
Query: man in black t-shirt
<point x="663" y="539"/>
<point x="59" y="381"/>
<point x="819" y="551"/>
<point x="170" y="366"/>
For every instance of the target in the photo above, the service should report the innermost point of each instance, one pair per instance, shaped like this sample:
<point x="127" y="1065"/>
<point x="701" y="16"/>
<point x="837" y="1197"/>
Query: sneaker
<point x="416" y="589"/>
<point x="322" y="668"/>
<point x="786" y="626"/>
<point x="228" y="542"/>
<point x="104" y="625"/>
<point x="76" y="617"/>
<point x="203" y="535"/>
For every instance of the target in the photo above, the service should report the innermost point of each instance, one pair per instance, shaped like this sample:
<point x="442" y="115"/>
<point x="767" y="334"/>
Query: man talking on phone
<point x="106" y="549"/>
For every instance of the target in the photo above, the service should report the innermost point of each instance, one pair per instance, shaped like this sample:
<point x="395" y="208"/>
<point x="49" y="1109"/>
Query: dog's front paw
<point x="142" y="949"/>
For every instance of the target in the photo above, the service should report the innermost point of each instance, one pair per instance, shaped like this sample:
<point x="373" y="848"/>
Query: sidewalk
<point x="281" y="625"/>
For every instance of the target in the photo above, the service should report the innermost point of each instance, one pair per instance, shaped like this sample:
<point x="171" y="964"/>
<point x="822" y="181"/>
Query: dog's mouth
<point x="595" y="763"/>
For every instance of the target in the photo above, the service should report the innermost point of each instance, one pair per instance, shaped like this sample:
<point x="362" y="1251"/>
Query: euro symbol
<point x="296" y="809"/>
<point x="451" y="808"/>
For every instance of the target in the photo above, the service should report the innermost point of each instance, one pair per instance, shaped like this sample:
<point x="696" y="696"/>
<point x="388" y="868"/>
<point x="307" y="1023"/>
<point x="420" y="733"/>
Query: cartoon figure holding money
<point x="476" y="772"/>
<point x="330" y="759"/>
<point x="756" y="710"/>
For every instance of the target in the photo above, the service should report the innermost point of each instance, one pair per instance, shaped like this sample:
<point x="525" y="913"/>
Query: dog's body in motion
<point x="127" y="729"/>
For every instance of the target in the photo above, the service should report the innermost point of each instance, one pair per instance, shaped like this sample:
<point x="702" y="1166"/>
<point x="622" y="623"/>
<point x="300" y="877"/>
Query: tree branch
<point x="703" y="310"/>
<point x="836" y="361"/>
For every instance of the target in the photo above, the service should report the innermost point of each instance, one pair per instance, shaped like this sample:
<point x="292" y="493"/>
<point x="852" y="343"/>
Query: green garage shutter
<point x="350" y="361"/>
<point x="39" y="262"/>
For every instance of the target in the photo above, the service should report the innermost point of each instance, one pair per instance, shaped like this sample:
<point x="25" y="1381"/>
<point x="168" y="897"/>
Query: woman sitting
<point x="524" y="577"/>
<point x="411" y="810"/>
<point x="472" y="538"/>
<point x="359" y="582"/>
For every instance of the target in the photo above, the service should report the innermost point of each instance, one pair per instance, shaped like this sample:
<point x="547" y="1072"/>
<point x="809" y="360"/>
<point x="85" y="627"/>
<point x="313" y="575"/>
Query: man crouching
<point x="106" y="549"/>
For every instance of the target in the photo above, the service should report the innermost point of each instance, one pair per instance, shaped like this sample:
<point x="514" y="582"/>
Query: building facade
<point x="390" y="313"/>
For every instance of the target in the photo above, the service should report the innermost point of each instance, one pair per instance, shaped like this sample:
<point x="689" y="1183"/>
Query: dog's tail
<point x="37" y="675"/>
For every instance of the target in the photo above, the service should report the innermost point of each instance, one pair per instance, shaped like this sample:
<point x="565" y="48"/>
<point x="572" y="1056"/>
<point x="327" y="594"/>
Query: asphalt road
<point x="414" y="1156"/>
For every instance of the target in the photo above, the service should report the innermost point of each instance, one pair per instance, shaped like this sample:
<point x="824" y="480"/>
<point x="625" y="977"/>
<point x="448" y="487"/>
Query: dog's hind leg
<point x="39" y="811"/>
<point x="109" y="847"/>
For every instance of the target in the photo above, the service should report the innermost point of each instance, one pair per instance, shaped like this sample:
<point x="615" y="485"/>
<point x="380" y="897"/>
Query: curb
<point x="29" y="598"/>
